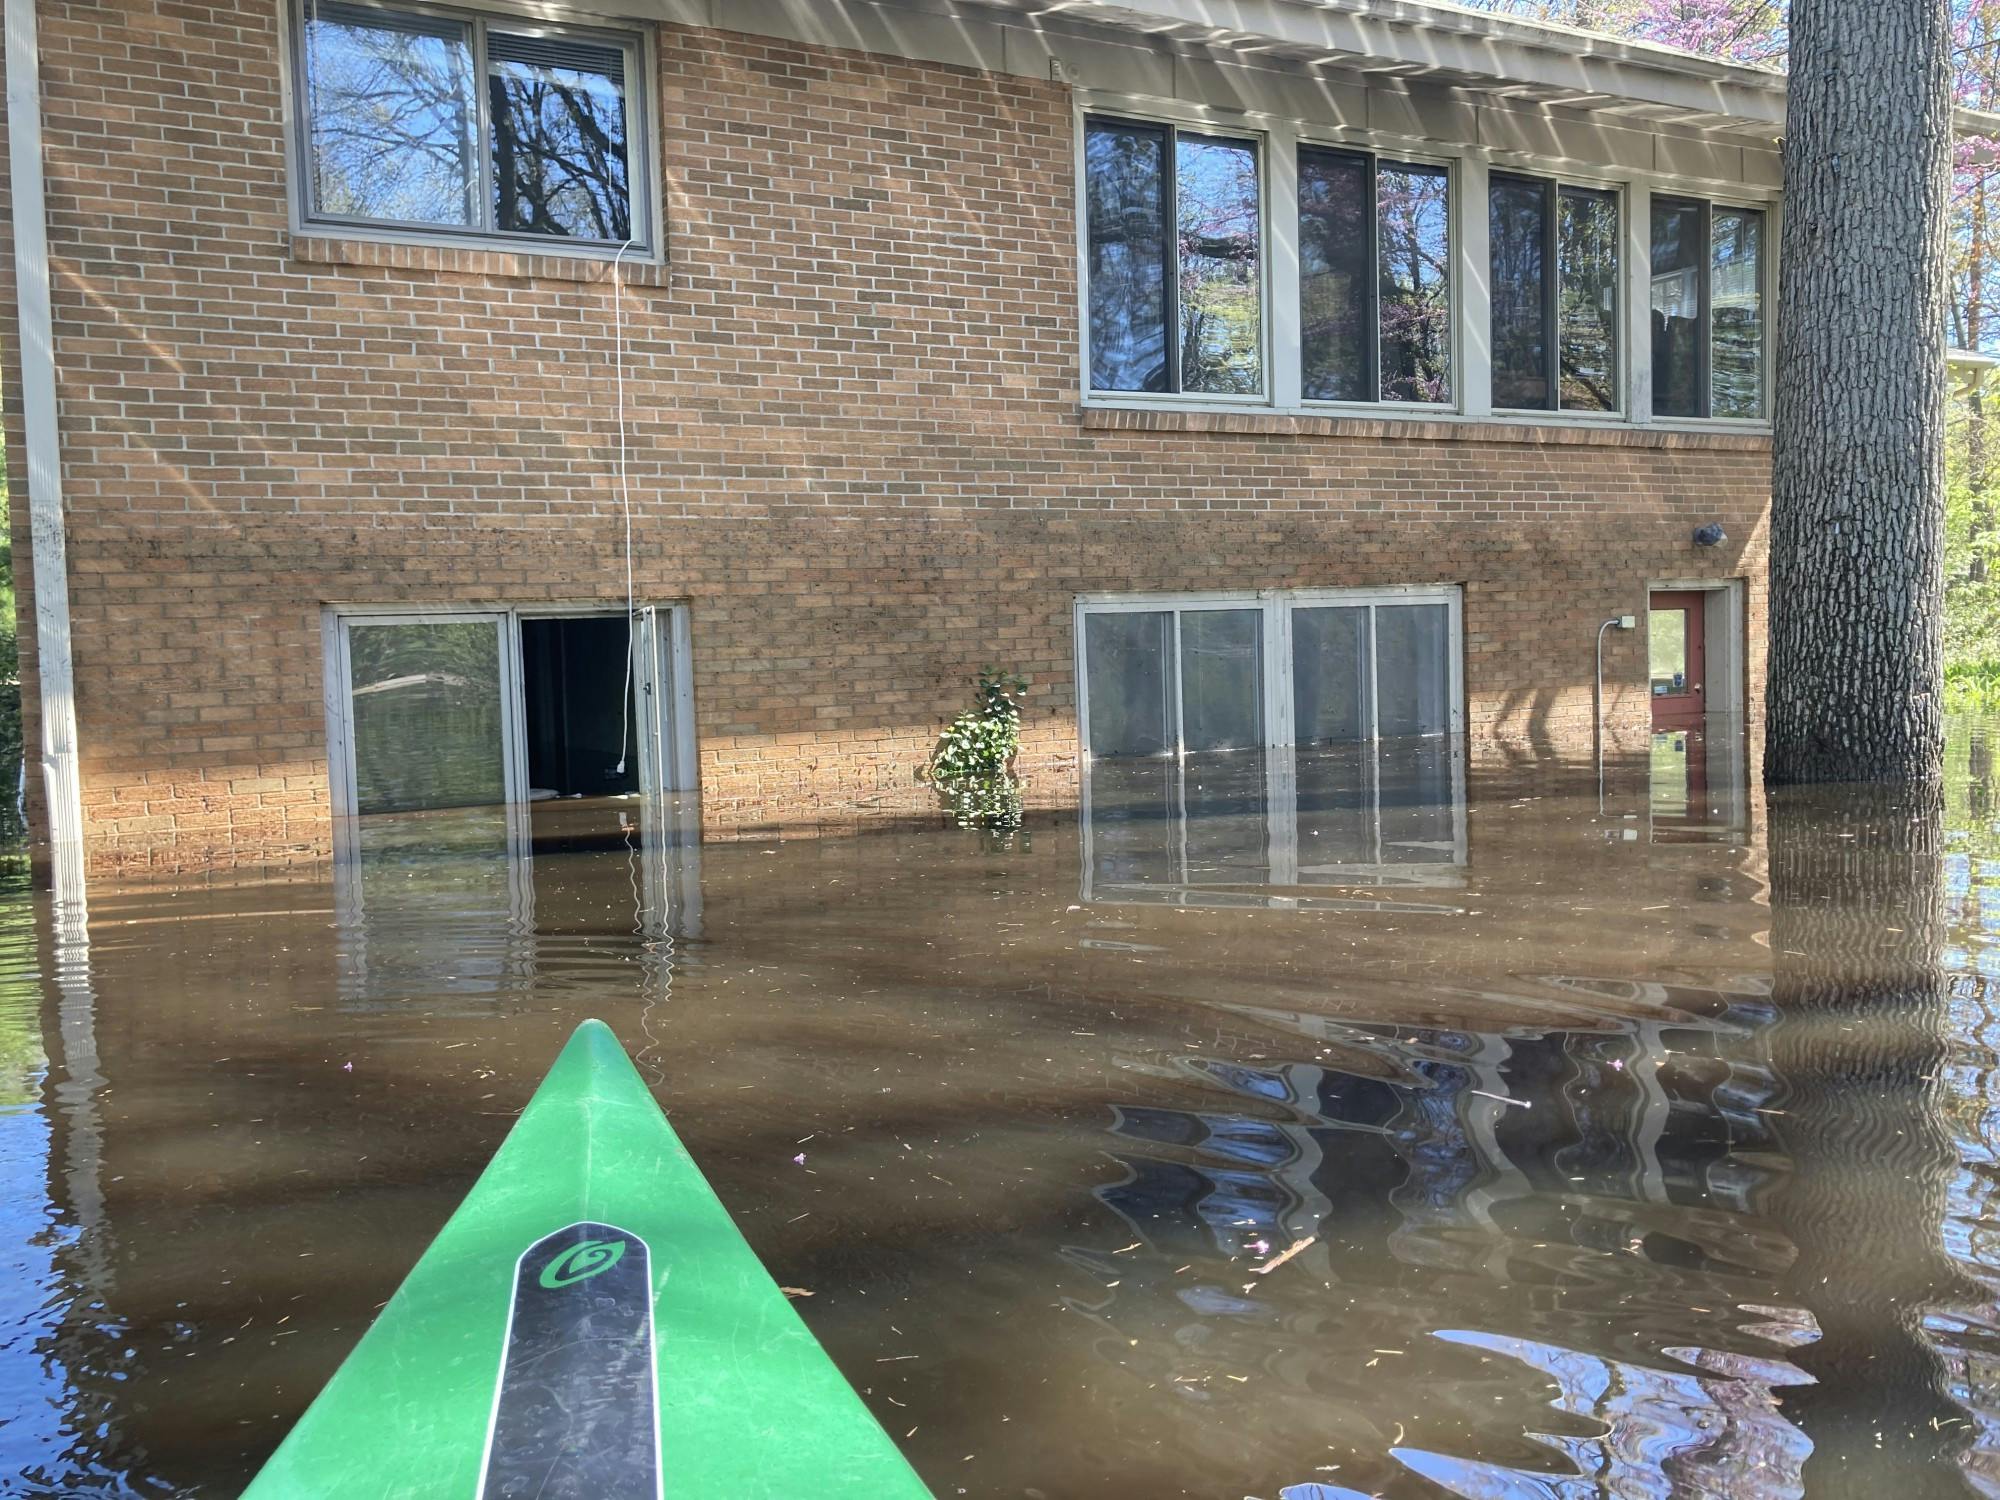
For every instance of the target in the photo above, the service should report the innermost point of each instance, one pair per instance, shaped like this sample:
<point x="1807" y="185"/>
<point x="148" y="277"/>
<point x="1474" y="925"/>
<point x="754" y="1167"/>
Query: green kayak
<point x="588" y="1326"/>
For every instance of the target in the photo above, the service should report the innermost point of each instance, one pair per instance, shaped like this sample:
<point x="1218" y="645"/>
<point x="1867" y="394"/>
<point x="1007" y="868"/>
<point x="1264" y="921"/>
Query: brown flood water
<point x="1644" y="1149"/>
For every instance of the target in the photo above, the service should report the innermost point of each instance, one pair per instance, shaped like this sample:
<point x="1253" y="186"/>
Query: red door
<point x="1676" y="660"/>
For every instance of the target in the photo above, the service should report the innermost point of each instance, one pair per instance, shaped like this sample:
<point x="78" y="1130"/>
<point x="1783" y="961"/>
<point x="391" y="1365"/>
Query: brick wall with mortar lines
<point x="856" y="444"/>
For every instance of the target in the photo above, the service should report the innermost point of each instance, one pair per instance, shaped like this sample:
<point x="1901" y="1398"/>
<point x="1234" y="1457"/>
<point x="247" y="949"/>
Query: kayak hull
<point x="591" y="1324"/>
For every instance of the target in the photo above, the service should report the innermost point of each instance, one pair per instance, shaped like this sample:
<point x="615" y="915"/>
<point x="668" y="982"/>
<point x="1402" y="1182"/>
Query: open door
<point x="1677" y="658"/>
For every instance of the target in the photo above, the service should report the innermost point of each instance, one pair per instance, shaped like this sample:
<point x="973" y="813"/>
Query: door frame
<point x="681" y="766"/>
<point x="1724" y="641"/>
<point x="1688" y="707"/>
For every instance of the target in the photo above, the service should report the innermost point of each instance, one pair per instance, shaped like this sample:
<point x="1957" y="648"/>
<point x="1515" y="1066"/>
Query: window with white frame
<point x="1553" y="261"/>
<point x="1186" y="675"/>
<point x="456" y="122"/>
<point x="1375" y="252"/>
<point x="1708" y="309"/>
<point x="1173" y="227"/>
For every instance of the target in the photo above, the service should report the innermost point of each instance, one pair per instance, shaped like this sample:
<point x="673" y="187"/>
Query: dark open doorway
<point x="574" y="682"/>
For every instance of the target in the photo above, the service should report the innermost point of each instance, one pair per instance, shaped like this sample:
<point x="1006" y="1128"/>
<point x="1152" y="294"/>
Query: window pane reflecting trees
<point x="558" y="118"/>
<point x="1736" y="270"/>
<point x="1414" y="266"/>
<point x="1179" y="311"/>
<point x="394" y="132"/>
<point x="1220" y="285"/>
<point x="1518" y="229"/>
<point x="1587" y="299"/>
<point x="393" y="124"/>
<point x="1336" y="276"/>
<point x="1679" y="257"/>
<point x="1125" y="208"/>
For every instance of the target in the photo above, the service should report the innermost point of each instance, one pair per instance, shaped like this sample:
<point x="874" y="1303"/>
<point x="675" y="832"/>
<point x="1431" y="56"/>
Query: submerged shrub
<point x="972" y="764"/>
<point x="984" y="739"/>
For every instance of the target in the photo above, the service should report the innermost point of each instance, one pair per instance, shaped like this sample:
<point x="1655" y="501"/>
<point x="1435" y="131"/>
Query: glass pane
<point x="394" y="120"/>
<point x="1667" y="650"/>
<point x="1330" y="675"/>
<point x="1222" y="678"/>
<point x="1221" y="274"/>
<point x="1134" y="823"/>
<point x="427" y="713"/>
<point x="1412" y="669"/>
<point x="1519" y="224"/>
<point x="1736" y="300"/>
<point x="1415" y="281"/>
<point x="1335" y="788"/>
<point x="1678" y="259"/>
<point x="1336" y="309"/>
<point x="1128" y="667"/>
<point x="1420" y="812"/>
<point x="558" y="114"/>
<point x="1228" y="824"/>
<point x="1126" y="214"/>
<point x="1587" y="307"/>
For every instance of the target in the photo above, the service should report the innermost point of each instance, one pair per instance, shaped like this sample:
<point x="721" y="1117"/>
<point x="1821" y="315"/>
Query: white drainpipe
<point x="44" y="456"/>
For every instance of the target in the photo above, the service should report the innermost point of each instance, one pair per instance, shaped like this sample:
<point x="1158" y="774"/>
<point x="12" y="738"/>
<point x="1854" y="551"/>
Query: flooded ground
<point x="1303" y="1127"/>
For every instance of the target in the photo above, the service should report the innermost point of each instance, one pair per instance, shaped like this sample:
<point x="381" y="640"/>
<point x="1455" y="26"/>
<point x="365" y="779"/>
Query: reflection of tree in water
<point x="1857" y="931"/>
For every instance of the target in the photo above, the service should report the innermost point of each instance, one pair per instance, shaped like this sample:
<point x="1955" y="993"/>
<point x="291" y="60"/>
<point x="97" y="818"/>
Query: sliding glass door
<point x="1193" y="675"/>
<point x="428" y="712"/>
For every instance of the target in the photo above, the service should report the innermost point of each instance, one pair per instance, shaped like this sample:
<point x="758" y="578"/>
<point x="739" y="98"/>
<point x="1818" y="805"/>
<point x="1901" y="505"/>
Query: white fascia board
<point x="1461" y="45"/>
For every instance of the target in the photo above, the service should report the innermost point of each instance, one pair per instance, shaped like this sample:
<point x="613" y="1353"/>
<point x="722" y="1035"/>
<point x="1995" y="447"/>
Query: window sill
<point x="1449" y="429"/>
<point x="470" y="260"/>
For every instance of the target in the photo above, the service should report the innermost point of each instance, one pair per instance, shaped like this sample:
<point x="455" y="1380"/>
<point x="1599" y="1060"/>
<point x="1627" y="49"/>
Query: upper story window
<point x="1554" y="278"/>
<point x="1375" y="249"/>
<point x="435" y="120"/>
<point x="1175" y="265"/>
<point x="1708" y="309"/>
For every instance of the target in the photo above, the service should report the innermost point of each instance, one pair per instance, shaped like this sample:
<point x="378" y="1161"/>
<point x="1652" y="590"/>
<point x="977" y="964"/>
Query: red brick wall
<point x="857" y="447"/>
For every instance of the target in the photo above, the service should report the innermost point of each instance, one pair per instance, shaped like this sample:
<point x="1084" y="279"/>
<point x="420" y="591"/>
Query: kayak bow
<point x="590" y="1325"/>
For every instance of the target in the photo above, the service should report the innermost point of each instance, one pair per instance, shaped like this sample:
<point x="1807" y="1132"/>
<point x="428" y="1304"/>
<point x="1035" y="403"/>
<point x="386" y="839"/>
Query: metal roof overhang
<point x="1474" y="53"/>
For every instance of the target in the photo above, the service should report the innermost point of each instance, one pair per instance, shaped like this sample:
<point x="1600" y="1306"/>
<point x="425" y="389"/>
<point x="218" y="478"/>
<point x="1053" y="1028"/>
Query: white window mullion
<point x="482" y="217"/>
<point x="1475" y="290"/>
<point x="1637" y="351"/>
<point x="1281" y="281"/>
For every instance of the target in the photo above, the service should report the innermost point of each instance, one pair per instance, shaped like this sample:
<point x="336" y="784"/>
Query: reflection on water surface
<point x="1309" y="1125"/>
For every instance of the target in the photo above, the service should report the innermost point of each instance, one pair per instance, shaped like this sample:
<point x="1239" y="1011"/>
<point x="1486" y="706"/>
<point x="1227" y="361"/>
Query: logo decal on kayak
<point x="576" y="1412"/>
<point x="580" y="1262"/>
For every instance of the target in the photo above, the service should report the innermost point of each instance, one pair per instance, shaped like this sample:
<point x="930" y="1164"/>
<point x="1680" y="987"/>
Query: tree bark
<point x="1857" y="508"/>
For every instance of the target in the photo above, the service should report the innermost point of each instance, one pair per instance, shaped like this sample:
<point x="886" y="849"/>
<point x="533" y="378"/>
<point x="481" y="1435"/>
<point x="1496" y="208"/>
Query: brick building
<point x="423" y="373"/>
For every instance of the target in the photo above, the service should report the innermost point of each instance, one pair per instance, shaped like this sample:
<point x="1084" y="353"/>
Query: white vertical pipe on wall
<point x="44" y="458"/>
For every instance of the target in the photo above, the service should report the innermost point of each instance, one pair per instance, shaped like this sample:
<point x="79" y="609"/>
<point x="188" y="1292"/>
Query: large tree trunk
<point x="1857" y="505"/>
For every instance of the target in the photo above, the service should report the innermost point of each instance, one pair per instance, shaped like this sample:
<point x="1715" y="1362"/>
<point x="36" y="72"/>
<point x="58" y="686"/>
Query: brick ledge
<point x="1259" y="423"/>
<point x="469" y="260"/>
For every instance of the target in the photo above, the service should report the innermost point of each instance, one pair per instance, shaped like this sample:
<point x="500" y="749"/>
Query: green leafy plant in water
<point x="972" y="764"/>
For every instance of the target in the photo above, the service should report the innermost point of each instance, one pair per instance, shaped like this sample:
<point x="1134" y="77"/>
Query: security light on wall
<point x="1711" y="535"/>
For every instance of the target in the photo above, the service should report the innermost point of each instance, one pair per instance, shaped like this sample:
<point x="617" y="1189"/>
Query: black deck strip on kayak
<point x="576" y="1416"/>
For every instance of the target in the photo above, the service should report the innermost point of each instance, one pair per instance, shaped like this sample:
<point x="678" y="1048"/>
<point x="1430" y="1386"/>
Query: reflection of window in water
<point x="1261" y="828"/>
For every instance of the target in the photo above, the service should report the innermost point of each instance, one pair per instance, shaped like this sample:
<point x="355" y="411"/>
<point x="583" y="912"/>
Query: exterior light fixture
<point x="1711" y="535"/>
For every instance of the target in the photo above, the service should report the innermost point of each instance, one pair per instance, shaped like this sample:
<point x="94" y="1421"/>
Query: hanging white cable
<point x="624" y="491"/>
